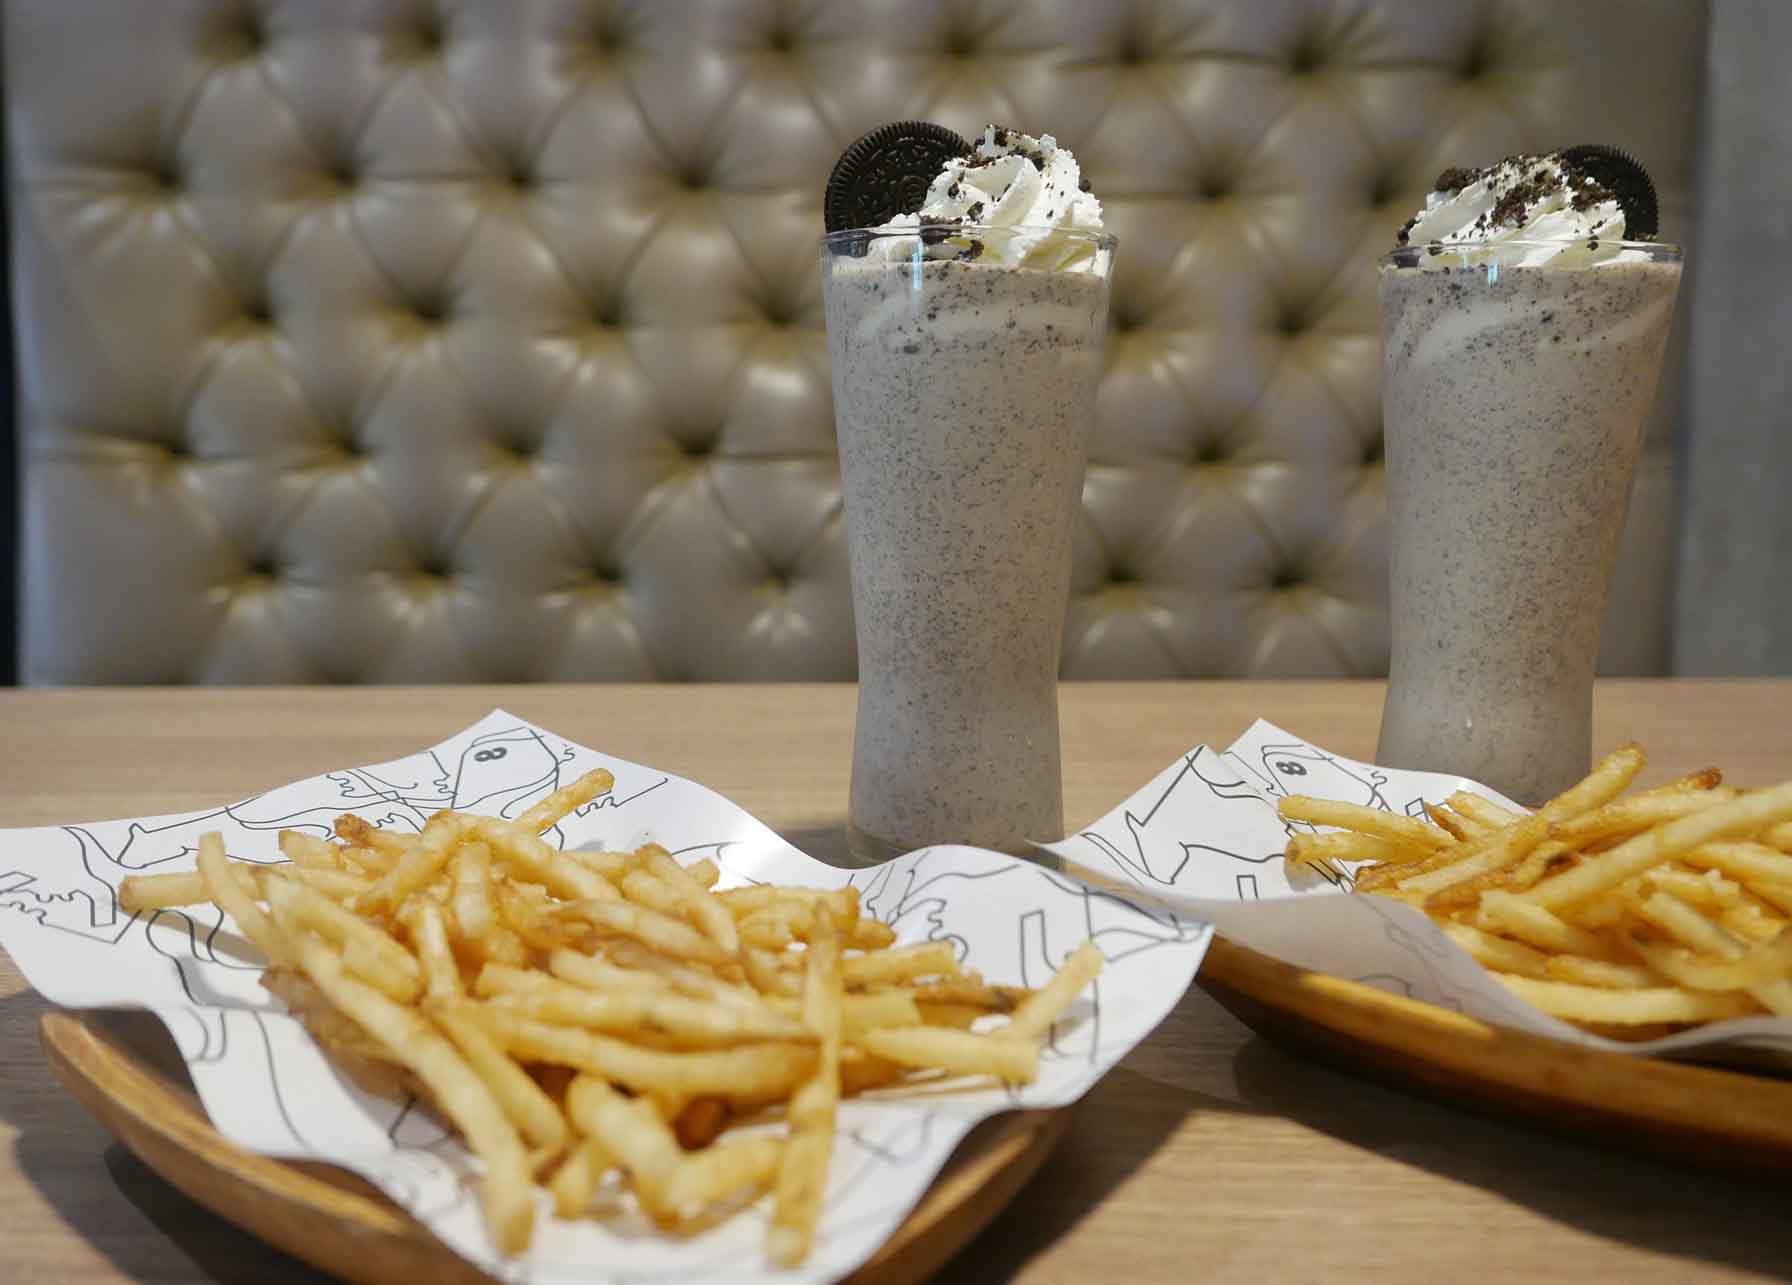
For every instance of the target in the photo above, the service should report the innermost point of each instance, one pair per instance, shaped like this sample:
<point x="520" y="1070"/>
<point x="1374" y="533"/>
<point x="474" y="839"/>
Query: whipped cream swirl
<point x="1014" y="181"/>
<point x="1489" y="214"/>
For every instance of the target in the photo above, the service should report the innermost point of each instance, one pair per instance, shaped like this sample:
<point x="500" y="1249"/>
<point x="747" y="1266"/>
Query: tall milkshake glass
<point x="963" y="392"/>
<point x="1516" y="382"/>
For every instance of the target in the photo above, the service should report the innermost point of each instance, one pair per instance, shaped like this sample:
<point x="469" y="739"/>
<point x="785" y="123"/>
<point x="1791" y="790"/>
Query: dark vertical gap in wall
<point x="9" y="438"/>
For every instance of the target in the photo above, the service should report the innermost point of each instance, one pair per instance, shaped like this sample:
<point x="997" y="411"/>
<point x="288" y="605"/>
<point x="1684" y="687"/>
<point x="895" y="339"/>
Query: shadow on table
<point x="826" y="843"/>
<point x="145" y="1226"/>
<point x="1700" y="1216"/>
<point x="1185" y="1067"/>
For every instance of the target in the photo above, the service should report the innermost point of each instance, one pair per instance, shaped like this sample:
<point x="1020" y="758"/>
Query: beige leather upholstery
<point x="373" y="340"/>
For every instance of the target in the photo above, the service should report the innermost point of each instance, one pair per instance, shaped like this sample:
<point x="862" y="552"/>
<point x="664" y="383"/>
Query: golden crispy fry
<point x="747" y="1070"/>
<point x="694" y="1023"/>
<point x="803" y="1173"/>
<point x="1599" y="972"/>
<point x="710" y="916"/>
<point x="1625" y="1007"/>
<point x="900" y="964"/>
<point x="668" y="936"/>
<point x="958" y="1052"/>
<point x="685" y="978"/>
<point x="647" y="890"/>
<point x="309" y="851"/>
<point x="777" y="926"/>
<point x="1484" y="812"/>
<point x="1756" y="966"/>
<point x="1752" y="863"/>
<point x="1036" y="1014"/>
<point x="863" y="1012"/>
<point x="1319" y="850"/>
<point x="138" y="894"/>
<point x="1778" y="836"/>
<point x="1744" y="815"/>
<point x="1459" y="826"/>
<point x="585" y="970"/>
<point x="1498" y="953"/>
<point x="428" y="932"/>
<point x="221" y="883"/>
<point x="1528" y="922"/>
<point x="563" y="801"/>
<point x="1638" y="812"/>
<point x="968" y="989"/>
<point x="957" y="1016"/>
<point x="455" y="1088"/>
<point x="393" y="968"/>
<point x="575" y="1182"/>
<point x="418" y="864"/>
<point x="1686" y="925"/>
<point x="769" y="974"/>
<point x="631" y="1131"/>
<point x="356" y="833"/>
<point x="527" y="855"/>
<point x="533" y="1112"/>
<point x="722" y="1173"/>
<point x="1394" y="826"/>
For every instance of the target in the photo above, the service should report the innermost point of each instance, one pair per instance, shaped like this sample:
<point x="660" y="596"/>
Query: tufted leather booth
<point x="376" y="340"/>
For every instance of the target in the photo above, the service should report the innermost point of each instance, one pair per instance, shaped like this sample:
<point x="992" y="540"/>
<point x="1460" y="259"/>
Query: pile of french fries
<point x="580" y="1014"/>
<point x="1630" y="915"/>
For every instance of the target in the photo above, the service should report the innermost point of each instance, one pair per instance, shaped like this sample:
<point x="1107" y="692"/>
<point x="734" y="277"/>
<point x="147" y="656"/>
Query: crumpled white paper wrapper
<point x="268" y="1088"/>
<point x="1205" y="839"/>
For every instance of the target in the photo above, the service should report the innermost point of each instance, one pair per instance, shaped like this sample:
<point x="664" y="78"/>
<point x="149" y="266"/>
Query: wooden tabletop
<point x="1207" y="1153"/>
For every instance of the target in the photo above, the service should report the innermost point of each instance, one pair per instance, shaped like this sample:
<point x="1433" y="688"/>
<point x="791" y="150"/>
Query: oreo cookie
<point x="887" y="173"/>
<point x="1624" y="177"/>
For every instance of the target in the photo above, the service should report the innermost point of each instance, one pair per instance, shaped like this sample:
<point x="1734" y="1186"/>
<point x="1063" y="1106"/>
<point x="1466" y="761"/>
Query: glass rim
<point x="1102" y="239"/>
<point x="1659" y="250"/>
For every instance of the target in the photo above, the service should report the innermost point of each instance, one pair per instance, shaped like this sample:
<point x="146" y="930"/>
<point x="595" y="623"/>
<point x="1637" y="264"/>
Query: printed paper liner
<point x="268" y="1088"/>
<point x="1204" y="838"/>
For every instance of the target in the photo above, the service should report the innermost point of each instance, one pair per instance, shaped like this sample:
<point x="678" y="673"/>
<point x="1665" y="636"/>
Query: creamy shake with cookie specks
<point x="1523" y="335"/>
<point x="966" y="340"/>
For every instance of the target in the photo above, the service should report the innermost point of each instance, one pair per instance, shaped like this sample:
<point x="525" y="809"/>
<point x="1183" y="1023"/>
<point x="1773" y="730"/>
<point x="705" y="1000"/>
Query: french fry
<point x="691" y="1022"/>
<point x="429" y="938"/>
<point x="707" y="914"/>
<point x="1498" y="953"/>
<point x="1037" y="1013"/>
<point x="699" y="1121"/>
<point x="221" y="883"/>
<point x="507" y="1188"/>
<point x="928" y="959"/>
<point x="140" y="894"/>
<point x="1394" y="826"/>
<point x="633" y="1133"/>
<point x="661" y="933"/>
<point x="803" y="1171"/>
<point x="418" y="864"/>
<point x="1340" y="845"/>
<point x="390" y="965"/>
<point x="746" y="1070"/>
<point x="1743" y="815"/>
<point x="527" y="854"/>
<point x="554" y="808"/>
<point x="1626" y="1007"/>
<point x="957" y="1052"/>
<point x="575" y="1182"/>
<point x="531" y="1110"/>
<point x="722" y="1173"/>
<point x="588" y="971"/>
<point x="309" y="851"/>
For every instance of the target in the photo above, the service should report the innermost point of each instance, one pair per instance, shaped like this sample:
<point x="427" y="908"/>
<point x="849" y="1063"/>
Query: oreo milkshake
<point x="1522" y="338"/>
<point x="966" y="343"/>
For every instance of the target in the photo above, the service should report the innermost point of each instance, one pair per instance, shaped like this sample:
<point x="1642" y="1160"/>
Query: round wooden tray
<point x="124" y="1069"/>
<point x="1694" y="1114"/>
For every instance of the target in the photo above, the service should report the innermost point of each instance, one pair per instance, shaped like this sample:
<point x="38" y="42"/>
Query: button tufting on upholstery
<point x="1307" y="56"/>
<point x="1475" y="59"/>
<point x="534" y="285"/>
<point x="432" y="307"/>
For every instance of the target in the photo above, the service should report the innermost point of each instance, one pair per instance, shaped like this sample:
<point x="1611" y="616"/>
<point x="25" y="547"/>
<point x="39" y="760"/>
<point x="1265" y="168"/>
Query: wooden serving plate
<point x="124" y="1069"/>
<point x="1674" y="1110"/>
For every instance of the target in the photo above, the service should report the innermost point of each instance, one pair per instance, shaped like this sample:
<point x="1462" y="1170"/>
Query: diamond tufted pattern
<point x="382" y="340"/>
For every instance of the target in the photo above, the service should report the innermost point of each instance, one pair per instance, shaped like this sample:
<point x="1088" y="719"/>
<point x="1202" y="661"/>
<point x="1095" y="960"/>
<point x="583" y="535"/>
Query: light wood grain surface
<point x="1207" y="1154"/>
